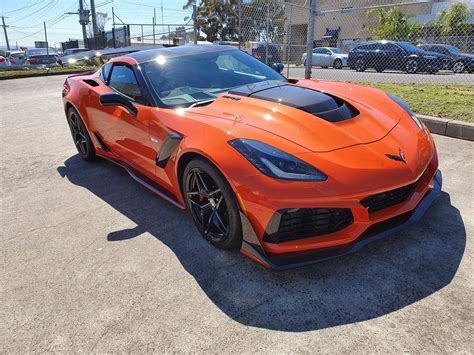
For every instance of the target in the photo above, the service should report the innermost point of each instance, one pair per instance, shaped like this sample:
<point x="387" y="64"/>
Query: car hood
<point x="374" y="115"/>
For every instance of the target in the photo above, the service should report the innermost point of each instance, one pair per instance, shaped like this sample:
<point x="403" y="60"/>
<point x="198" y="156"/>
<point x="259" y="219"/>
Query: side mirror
<point x="114" y="99"/>
<point x="278" y="67"/>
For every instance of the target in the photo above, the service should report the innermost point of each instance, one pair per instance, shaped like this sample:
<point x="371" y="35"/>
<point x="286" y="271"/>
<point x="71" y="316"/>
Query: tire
<point x="80" y="135"/>
<point x="459" y="67"/>
<point x="212" y="204"/>
<point x="360" y="65"/>
<point x="379" y="69"/>
<point x="337" y="64"/>
<point x="411" y="66"/>
<point x="324" y="67"/>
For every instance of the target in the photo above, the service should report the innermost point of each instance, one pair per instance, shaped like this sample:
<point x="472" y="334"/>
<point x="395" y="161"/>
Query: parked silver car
<point x="327" y="57"/>
<point x="16" y="57"/>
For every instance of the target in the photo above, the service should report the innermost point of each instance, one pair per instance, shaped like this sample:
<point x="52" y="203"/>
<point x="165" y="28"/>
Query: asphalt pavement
<point x="93" y="262"/>
<point x="371" y="76"/>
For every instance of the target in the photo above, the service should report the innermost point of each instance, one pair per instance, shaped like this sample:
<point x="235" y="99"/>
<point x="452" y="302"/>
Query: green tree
<point x="217" y="19"/>
<point x="453" y="20"/>
<point x="394" y="25"/>
<point x="261" y="20"/>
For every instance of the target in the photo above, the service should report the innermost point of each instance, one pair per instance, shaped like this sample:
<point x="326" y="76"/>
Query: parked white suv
<point x="327" y="57"/>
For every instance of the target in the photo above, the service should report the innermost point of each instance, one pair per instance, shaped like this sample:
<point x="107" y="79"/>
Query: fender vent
<point x="91" y="82"/>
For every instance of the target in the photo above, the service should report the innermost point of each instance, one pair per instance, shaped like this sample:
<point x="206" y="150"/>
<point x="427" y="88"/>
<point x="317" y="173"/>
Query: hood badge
<point x="399" y="157"/>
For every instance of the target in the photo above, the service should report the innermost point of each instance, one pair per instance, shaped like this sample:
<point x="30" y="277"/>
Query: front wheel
<point x="360" y="65"/>
<point x="337" y="64"/>
<point x="411" y="66"/>
<point x="80" y="136"/>
<point x="212" y="205"/>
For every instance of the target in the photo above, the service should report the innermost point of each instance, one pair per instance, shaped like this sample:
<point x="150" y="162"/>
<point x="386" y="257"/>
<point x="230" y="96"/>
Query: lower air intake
<point x="293" y="224"/>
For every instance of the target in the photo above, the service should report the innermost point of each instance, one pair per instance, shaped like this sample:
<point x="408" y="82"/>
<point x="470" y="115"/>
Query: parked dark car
<point x="261" y="54"/>
<point x="382" y="55"/>
<point x="459" y="62"/>
<point x="41" y="56"/>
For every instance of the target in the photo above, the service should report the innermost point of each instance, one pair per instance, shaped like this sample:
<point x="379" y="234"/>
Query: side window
<point x="124" y="81"/>
<point x="390" y="47"/>
<point x="318" y="51"/>
<point x="104" y="72"/>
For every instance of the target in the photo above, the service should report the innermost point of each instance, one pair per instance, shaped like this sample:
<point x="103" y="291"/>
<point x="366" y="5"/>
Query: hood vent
<point x="322" y="105"/>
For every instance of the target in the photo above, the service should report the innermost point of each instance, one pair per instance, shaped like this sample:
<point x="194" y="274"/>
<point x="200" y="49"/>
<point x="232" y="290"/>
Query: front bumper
<point x="283" y="261"/>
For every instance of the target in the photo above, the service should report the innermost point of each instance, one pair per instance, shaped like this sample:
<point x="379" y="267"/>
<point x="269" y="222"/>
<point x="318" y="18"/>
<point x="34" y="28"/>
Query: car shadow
<point x="384" y="277"/>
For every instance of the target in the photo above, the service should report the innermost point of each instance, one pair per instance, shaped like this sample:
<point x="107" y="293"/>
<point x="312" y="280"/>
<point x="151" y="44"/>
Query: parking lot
<point x="371" y="76"/>
<point x="92" y="261"/>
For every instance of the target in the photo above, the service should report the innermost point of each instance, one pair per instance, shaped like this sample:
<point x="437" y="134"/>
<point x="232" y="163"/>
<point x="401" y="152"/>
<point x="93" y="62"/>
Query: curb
<point x="33" y="75"/>
<point x="449" y="127"/>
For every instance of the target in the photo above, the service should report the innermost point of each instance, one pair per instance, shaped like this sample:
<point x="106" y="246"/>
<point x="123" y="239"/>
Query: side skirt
<point x="148" y="183"/>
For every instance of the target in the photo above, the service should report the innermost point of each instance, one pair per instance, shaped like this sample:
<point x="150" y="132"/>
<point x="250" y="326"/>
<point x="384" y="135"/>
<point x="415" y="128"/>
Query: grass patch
<point x="454" y="101"/>
<point x="54" y="70"/>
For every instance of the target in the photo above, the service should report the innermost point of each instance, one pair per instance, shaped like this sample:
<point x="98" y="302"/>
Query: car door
<point x="129" y="132"/>
<point x="318" y="57"/>
<point x="391" y="58"/>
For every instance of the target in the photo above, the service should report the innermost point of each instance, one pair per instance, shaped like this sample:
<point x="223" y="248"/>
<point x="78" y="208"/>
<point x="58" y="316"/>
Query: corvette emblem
<point x="399" y="157"/>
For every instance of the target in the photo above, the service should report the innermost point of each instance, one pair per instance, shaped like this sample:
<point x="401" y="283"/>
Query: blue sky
<point x="25" y="17"/>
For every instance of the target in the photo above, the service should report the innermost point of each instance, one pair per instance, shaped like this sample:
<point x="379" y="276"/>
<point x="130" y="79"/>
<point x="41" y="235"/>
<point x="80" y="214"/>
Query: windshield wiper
<point x="202" y="103"/>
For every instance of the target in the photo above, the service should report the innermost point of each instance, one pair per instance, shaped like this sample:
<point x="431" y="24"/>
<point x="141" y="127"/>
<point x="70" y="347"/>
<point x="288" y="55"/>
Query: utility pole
<point x="46" y="38"/>
<point x="195" y="22"/>
<point x="94" y="18"/>
<point x="309" y="42"/>
<point x="83" y="20"/>
<point x="5" y="31"/>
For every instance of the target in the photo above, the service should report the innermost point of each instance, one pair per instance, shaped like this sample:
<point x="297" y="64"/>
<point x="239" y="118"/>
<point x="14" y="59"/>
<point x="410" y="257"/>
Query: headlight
<point x="275" y="163"/>
<point x="407" y="109"/>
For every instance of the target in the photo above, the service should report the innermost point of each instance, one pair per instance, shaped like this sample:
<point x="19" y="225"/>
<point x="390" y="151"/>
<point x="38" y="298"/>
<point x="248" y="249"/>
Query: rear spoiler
<point x="89" y="72"/>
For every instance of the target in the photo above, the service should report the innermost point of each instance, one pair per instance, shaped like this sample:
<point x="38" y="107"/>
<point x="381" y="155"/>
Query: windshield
<point x="187" y="80"/>
<point x="409" y="47"/>
<point x="337" y="51"/>
<point x="452" y="49"/>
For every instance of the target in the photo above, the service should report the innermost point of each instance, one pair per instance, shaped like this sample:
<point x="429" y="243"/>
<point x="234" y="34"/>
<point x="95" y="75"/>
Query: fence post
<point x="267" y="30"/>
<point x="239" y="11"/>
<point x="288" y="42"/>
<point x="142" y="35"/>
<point x="46" y="38"/>
<point x="310" y="39"/>
<point x="113" y="27"/>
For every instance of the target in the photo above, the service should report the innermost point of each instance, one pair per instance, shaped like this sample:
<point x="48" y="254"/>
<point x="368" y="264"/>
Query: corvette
<point x="289" y="172"/>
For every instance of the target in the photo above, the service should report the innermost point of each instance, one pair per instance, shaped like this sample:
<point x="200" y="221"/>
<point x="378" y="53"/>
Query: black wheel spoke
<point x="207" y="205"/>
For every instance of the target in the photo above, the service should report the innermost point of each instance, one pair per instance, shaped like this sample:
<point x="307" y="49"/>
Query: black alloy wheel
<point x="212" y="205"/>
<point x="80" y="136"/>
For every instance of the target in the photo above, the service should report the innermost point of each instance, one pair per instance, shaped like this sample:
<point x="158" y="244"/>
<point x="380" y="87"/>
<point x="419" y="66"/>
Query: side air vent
<point x="91" y="82"/>
<point x="322" y="105"/>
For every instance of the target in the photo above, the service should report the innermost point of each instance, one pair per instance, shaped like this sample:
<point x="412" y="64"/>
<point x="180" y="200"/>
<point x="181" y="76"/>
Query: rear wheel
<point x="80" y="136"/>
<point x="212" y="205"/>
<point x="459" y="67"/>
<point x="337" y="64"/>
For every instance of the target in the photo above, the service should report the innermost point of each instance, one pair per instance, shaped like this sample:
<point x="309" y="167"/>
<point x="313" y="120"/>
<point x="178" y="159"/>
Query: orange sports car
<point x="289" y="172"/>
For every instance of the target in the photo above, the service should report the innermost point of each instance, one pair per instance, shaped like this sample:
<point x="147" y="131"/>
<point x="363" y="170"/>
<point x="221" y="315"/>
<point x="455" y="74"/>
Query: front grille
<point x="388" y="198"/>
<point x="307" y="222"/>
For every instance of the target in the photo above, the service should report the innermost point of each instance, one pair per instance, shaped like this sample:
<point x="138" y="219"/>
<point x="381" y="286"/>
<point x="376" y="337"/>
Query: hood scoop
<point x="322" y="105"/>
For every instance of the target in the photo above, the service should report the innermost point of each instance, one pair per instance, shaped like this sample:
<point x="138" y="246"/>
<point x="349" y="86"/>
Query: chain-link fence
<point x="361" y="38"/>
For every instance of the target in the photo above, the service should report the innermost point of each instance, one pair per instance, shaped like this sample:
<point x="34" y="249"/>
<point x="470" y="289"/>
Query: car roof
<point x="179" y="51"/>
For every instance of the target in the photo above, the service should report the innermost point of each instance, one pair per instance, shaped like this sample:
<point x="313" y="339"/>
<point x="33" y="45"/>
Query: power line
<point x="25" y="7"/>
